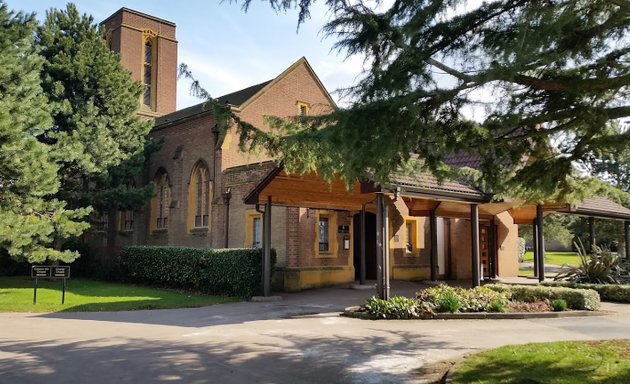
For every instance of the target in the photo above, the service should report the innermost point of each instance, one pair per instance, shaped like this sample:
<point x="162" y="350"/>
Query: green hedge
<point x="576" y="298"/>
<point x="234" y="272"/>
<point x="610" y="292"/>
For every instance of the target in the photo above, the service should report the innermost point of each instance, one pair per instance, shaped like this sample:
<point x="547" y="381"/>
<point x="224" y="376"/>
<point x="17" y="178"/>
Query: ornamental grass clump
<point x="600" y="267"/>
<point x="559" y="305"/>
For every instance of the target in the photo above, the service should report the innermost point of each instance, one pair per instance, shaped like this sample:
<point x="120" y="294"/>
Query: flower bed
<point x="486" y="299"/>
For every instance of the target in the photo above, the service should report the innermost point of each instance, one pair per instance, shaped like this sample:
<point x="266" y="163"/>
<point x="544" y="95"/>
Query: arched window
<point x="126" y="215"/>
<point x="161" y="201"/>
<point x="199" y="196"/>
<point x="148" y="68"/>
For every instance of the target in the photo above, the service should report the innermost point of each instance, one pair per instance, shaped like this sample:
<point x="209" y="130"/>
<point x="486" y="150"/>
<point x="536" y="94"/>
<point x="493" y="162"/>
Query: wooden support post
<point x="591" y="234"/>
<point x="535" y="247"/>
<point x="540" y="243"/>
<point x="474" y="237"/>
<point x="382" y="248"/>
<point x="362" y="261"/>
<point x="266" y="275"/>
<point x="492" y="236"/>
<point x="626" y="231"/>
<point x="434" y="245"/>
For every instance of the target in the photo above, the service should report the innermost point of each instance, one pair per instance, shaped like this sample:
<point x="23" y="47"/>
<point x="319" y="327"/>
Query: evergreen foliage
<point x="70" y="135"/>
<point x="94" y="107"/>
<point x="30" y="220"/>
<point x="555" y="75"/>
<point x="614" y="167"/>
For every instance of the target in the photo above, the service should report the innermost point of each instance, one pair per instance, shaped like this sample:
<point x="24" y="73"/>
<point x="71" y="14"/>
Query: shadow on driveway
<point x="285" y="358"/>
<point x="315" y="301"/>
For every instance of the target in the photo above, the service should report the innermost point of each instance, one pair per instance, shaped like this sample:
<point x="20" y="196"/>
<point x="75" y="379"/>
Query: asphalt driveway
<point x="298" y="340"/>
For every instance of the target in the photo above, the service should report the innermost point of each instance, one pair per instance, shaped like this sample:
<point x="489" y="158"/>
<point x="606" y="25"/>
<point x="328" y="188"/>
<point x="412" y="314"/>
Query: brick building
<point x="208" y="191"/>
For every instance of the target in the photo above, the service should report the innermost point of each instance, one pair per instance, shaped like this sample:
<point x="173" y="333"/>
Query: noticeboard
<point x="50" y="272"/>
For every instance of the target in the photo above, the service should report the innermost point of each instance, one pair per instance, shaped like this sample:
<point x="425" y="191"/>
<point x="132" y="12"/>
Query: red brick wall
<point x="185" y="144"/>
<point x="241" y="180"/>
<point x="280" y="100"/>
<point x="125" y="29"/>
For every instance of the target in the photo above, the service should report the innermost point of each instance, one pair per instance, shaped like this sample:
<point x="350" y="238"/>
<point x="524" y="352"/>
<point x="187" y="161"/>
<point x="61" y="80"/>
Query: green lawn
<point x="557" y="258"/>
<point x="82" y="295"/>
<point x="586" y="362"/>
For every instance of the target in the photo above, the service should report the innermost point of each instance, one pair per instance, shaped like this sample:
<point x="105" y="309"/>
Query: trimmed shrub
<point x="234" y="272"/>
<point x="609" y="292"/>
<point x="576" y="298"/>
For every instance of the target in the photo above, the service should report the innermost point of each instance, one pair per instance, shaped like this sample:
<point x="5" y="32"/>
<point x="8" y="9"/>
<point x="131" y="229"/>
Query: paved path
<point x="284" y="342"/>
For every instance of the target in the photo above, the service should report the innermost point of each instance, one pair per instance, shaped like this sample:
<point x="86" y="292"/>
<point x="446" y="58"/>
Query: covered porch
<point x="594" y="208"/>
<point x="379" y="231"/>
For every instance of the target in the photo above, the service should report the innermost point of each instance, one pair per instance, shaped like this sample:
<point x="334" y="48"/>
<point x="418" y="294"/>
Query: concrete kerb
<point x="358" y="312"/>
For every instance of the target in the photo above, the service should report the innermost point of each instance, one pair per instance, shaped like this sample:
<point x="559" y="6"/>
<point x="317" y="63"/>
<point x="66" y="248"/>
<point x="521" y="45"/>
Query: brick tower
<point x="148" y="48"/>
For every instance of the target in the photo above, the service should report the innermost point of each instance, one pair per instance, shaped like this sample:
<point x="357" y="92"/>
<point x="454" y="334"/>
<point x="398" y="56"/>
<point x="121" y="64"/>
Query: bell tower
<point x="148" y="49"/>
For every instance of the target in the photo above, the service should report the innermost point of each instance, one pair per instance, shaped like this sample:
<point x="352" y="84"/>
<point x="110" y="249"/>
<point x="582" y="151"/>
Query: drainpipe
<point x="227" y="195"/>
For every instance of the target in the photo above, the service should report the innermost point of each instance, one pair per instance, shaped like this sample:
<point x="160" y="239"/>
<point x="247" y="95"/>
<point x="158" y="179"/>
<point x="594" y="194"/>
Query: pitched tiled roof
<point x="185" y="113"/>
<point x="235" y="98"/>
<point x="601" y="207"/>
<point x="425" y="182"/>
<point x="463" y="159"/>
<point x="239" y="97"/>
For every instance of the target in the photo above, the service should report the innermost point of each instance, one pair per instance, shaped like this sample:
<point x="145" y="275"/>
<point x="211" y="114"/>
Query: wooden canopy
<point x="309" y="191"/>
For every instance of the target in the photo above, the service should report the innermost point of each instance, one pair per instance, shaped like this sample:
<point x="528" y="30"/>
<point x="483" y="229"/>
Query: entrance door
<point x="370" y="245"/>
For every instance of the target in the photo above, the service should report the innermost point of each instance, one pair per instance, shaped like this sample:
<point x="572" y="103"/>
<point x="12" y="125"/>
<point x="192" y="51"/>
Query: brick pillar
<point x="293" y="241"/>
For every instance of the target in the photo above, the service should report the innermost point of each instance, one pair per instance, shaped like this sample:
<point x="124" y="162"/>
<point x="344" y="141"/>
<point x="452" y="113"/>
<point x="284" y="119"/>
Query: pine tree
<point x="554" y="74"/>
<point x="30" y="220"/>
<point x="97" y="136"/>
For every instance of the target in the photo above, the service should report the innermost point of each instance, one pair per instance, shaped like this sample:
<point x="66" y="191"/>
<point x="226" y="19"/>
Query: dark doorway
<point x="370" y="245"/>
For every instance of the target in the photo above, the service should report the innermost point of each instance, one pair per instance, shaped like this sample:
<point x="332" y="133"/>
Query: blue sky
<point x="228" y="49"/>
